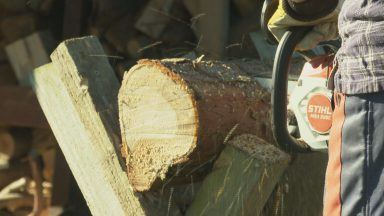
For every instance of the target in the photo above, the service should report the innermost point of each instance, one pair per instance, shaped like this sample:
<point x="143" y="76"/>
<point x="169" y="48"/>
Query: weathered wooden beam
<point x="29" y="53"/>
<point x="78" y="93"/>
<point x="19" y="107"/>
<point x="242" y="179"/>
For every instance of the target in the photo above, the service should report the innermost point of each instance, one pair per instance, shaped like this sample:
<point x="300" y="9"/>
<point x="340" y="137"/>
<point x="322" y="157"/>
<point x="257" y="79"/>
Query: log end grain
<point x="157" y="113"/>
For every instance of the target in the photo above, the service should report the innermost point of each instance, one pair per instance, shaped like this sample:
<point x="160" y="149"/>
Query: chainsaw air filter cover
<point x="311" y="103"/>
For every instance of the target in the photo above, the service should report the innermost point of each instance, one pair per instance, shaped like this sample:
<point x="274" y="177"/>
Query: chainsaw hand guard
<point x="279" y="99"/>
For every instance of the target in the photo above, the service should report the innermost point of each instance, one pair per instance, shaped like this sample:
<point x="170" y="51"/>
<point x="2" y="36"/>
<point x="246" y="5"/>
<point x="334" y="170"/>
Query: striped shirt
<point x="361" y="57"/>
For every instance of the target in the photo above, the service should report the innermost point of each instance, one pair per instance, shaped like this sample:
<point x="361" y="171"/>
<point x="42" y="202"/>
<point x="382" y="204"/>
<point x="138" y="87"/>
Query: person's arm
<point x="321" y="14"/>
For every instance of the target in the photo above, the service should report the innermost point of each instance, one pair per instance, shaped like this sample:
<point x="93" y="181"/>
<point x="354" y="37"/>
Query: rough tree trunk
<point x="178" y="113"/>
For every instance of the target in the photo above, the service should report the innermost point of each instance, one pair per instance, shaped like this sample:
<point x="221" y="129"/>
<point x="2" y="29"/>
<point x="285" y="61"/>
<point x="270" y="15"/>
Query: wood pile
<point x="29" y="153"/>
<point x="185" y="135"/>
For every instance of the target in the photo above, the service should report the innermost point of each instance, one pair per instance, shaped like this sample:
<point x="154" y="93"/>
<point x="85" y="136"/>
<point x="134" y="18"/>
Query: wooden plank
<point x="19" y="107"/>
<point x="242" y="179"/>
<point x="78" y="94"/>
<point x="91" y="158"/>
<point x="28" y="53"/>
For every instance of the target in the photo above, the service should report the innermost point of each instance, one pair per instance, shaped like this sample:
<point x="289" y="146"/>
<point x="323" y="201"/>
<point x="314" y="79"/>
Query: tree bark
<point x="179" y="113"/>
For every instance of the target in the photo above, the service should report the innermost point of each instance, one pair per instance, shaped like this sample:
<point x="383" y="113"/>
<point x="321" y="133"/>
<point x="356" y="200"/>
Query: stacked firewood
<point x="29" y="155"/>
<point x="26" y="142"/>
<point x="128" y="30"/>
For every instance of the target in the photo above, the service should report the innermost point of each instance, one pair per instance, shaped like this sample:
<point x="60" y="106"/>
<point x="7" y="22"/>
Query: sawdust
<point x="258" y="148"/>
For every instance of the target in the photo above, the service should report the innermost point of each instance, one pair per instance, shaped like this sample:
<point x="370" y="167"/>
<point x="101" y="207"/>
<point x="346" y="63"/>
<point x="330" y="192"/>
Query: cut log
<point x="106" y="12"/>
<point x="15" y="6"/>
<point x="240" y="44"/>
<point x="155" y="18"/>
<point x="78" y="93"/>
<point x="120" y="32"/>
<point x="211" y="24"/>
<point x="14" y="172"/>
<point x="74" y="18"/>
<point x="242" y="178"/>
<point x="7" y="76"/>
<point x="28" y="53"/>
<point x="192" y="6"/>
<point x="16" y="27"/>
<point x="45" y="143"/>
<point x="179" y="113"/>
<point x="15" y="143"/>
<point x="46" y="6"/>
<point x="16" y="202"/>
<point x="19" y="107"/>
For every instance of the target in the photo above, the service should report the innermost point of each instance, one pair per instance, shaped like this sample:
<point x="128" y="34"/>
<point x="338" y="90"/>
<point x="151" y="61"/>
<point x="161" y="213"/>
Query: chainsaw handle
<point x="279" y="99"/>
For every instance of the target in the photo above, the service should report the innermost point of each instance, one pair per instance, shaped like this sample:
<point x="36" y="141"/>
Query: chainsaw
<point x="310" y="101"/>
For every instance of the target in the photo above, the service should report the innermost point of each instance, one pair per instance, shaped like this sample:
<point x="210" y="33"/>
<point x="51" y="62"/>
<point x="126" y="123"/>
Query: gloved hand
<point x="324" y="29"/>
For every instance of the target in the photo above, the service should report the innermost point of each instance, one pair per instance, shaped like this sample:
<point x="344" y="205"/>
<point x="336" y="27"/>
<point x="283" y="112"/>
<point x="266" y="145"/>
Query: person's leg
<point x="332" y="197"/>
<point x="355" y="180"/>
<point x="374" y="184"/>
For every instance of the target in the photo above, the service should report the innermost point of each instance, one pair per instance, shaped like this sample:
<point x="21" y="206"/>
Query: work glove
<point x="324" y="28"/>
